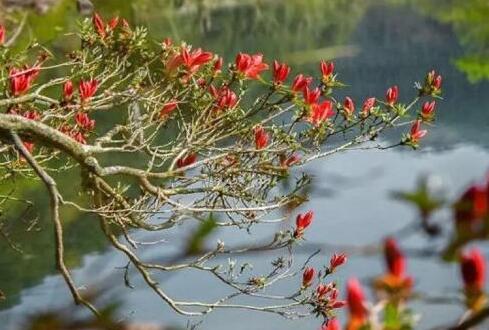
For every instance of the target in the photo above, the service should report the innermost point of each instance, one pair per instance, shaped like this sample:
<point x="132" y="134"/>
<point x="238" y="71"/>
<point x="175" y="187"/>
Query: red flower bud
<point x="29" y="146"/>
<point x="21" y="80"/>
<point x="68" y="90"/>
<point x="336" y="261"/>
<point x="472" y="205"/>
<point x="473" y="268"/>
<point x="186" y="160"/>
<point x="218" y="64"/>
<point x="300" y="83"/>
<point x="226" y="98"/>
<point x="395" y="260"/>
<point x="428" y="110"/>
<point x="84" y="122"/>
<point x="308" y="277"/>
<point x="416" y="132"/>
<point x="250" y="65"/>
<point x="114" y="21"/>
<point x="87" y="89"/>
<point x="167" y="42"/>
<point x="168" y="108"/>
<point x="302" y="222"/>
<point x="392" y="95"/>
<point x="367" y="106"/>
<point x="289" y="161"/>
<point x="322" y="290"/>
<point x="348" y="107"/>
<point x="280" y="72"/>
<point x="261" y="137"/>
<point x="99" y="25"/>
<point x="327" y="69"/>
<point x="32" y="115"/>
<point x="311" y="97"/>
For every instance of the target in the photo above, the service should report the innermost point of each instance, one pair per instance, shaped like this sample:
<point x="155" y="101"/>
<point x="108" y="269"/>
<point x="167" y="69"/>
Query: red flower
<point x="367" y="106"/>
<point x="300" y="83"/>
<point x="29" y="146"/>
<point x="192" y="60"/>
<point x="392" y="95"/>
<point x="416" y="132"/>
<point x="84" y="122"/>
<point x="331" y="324"/>
<point x="473" y="268"/>
<point x="250" y="65"/>
<point x="320" y="112"/>
<point x="396" y="262"/>
<point x="327" y="69"/>
<point x="168" y="108"/>
<point x="195" y="59"/>
<point x="226" y="98"/>
<point x="434" y="80"/>
<point x="68" y="90"/>
<point x="348" y="107"/>
<point x="356" y="301"/>
<point x="87" y="89"/>
<point x="472" y="205"/>
<point x="308" y="276"/>
<point x="21" y="80"/>
<point x="99" y="25"/>
<point x="336" y="261"/>
<point x="2" y="34"/>
<point x="186" y="160"/>
<point x="114" y="21"/>
<point x="261" y="137"/>
<point x="428" y="110"/>
<point x="302" y="222"/>
<point x="280" y="72"/>
<point x="289" y="161"/>
<point x="322" y="290"/>
<point x="311" y="97"/>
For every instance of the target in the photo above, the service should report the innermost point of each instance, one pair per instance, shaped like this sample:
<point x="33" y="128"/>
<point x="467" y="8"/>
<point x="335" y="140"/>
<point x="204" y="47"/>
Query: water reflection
<point x="375" y="44"/>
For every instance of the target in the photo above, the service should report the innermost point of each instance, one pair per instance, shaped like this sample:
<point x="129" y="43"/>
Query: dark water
<point x="375" y="44"/>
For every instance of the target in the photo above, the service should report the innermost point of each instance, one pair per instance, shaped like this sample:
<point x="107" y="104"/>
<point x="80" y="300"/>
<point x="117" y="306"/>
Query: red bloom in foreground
<point x="327" y="69"/>
<point x="87" y="89"/>
<point x="472" y="205"/>
<point x="320" y="112"/>
<point x="168" y="108"/>
<point x="302" y="222"/>
<point x="332" y="324"/>
<point x="68" y="90"/>
<point x="473" y="268"/>
<point x="300" y="83"/>
<point x="311" y="96"/>
<point x="280" y="72"/>
<point x="428" y="110"/>
<point x="349" y="107"/>
<point x="416" y="132"/>
<point x="308" y="276"/>
<point x="336" y="261"/>
<point x="367" y="106"/>
<point x="261" y="137"/>
<point x="84" y="122"/>
<point x="356" y="304"/>
<point x="99" y="25"/>
<point x="186" y="160"/>
<point x="392" y="95"/>
<point x="395" y="260"/>
<point x="195" y="59"/>
<point x="250" y="65"/>
<point x="21" y="80"/>
<point x="2" y="34"/>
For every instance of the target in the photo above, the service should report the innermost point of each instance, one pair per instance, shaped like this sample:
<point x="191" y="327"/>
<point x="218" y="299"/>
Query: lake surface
<point x="375" y="44"/>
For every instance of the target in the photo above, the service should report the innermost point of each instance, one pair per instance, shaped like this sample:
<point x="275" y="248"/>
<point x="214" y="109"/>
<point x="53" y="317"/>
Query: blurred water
<point x="394" y="44"/>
